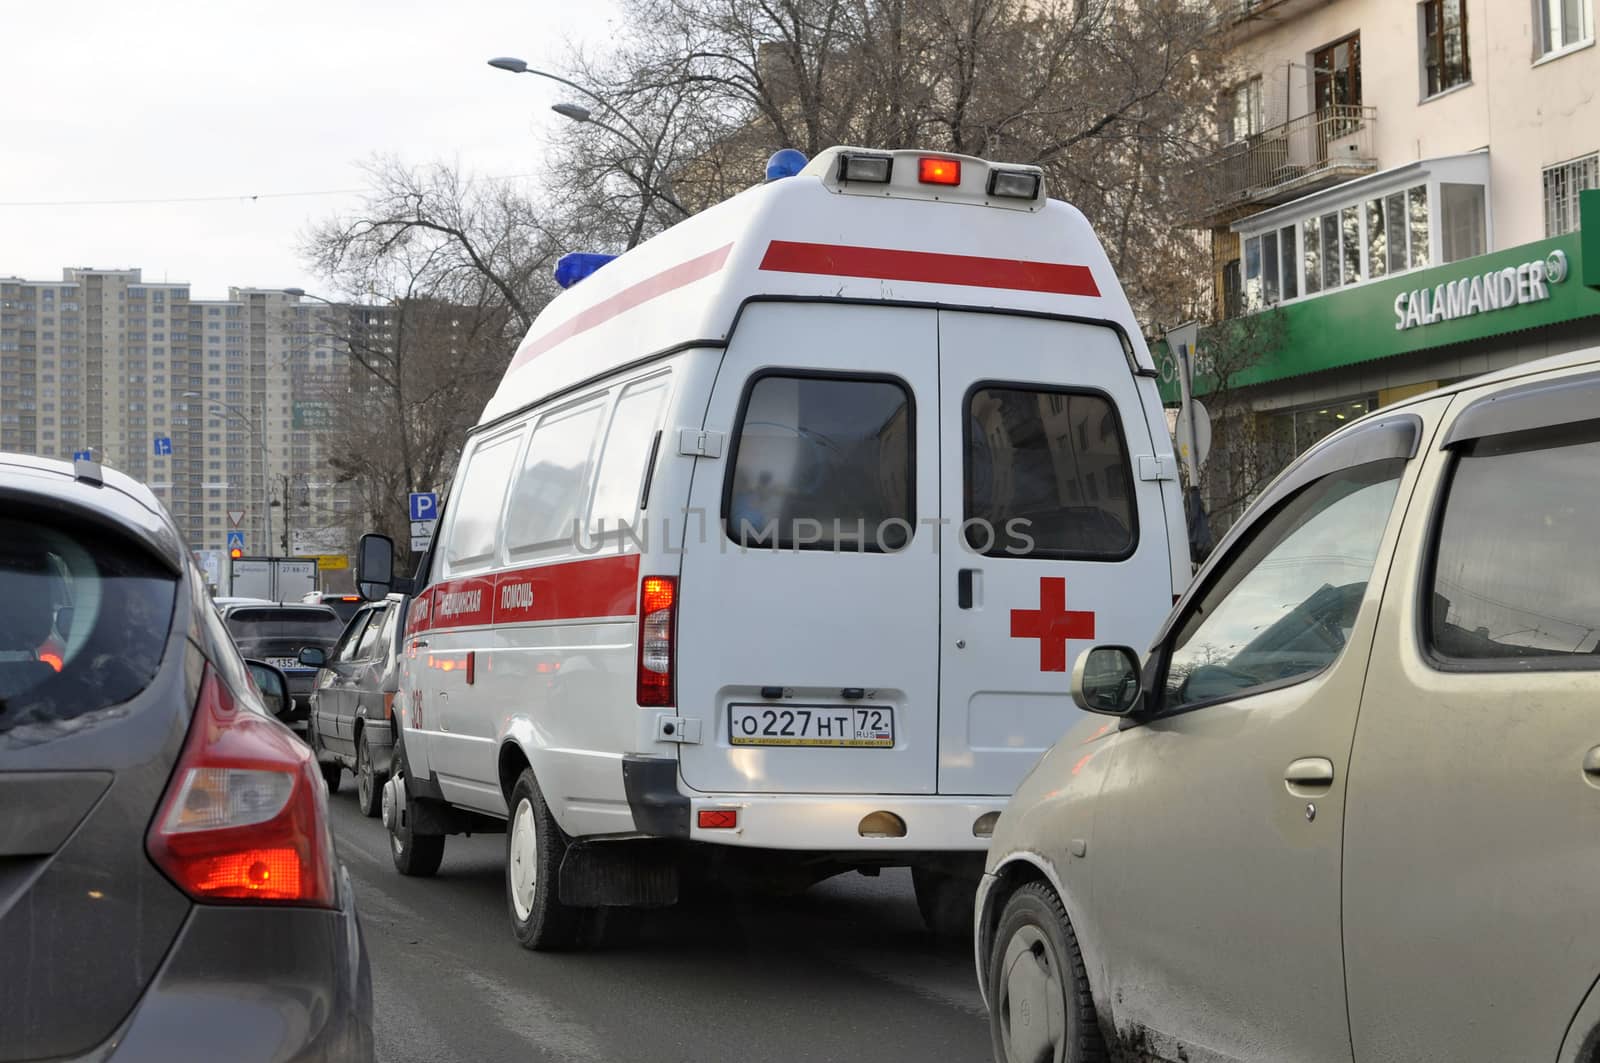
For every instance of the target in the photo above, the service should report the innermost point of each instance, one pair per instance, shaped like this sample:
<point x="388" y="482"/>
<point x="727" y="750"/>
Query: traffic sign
<point x="235" y="517"/>
<point x="332" y="561"/>
<point x="424" y="505"/>
<point x="236" y="540"/>
<point x="419" y="544"/>
<point x="83" y="455"/>
<point x="163" y="446"/>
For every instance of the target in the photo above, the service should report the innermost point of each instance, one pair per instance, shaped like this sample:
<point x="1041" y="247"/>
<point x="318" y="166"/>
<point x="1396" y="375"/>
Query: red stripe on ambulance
<point x="667" y="280"/>
<point x="972" y="271"/>
<point x="572" y="590"/>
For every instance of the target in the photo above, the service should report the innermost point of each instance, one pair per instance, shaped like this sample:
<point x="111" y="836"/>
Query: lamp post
<point x="261" y="441"/>
<point x="639" y="141"/>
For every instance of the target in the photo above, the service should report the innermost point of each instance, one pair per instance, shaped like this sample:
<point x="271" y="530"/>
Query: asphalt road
<point x="844" y="972"/>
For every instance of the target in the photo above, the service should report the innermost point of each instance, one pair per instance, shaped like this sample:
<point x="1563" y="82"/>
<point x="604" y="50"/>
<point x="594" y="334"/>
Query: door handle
<point x="1309" y="775"/>
<point x="419" y="644"/>
<point x="964" y="588"/>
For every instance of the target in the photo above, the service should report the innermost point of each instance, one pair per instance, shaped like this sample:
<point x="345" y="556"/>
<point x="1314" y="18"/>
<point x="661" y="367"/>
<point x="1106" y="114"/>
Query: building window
<point x="1241" y="111"/>
<point x="1444" y="45"/>
<point x="1561" y="24"/>
<point x="1337" y="73"/>
<point x="1462" y="228"/>
<point x="1562" y="183"/>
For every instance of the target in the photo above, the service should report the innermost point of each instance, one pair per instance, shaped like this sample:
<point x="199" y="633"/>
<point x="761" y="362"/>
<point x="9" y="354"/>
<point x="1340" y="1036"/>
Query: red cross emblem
<point x="1052" y="624"/>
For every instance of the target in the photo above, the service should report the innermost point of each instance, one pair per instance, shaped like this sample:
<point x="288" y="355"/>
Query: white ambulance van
<point x="773" y="551"/>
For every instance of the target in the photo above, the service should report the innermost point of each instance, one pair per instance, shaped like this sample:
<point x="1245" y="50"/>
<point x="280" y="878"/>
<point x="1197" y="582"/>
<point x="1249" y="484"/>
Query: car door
<point x="808" y="615"/>
<point x="334" y="685"/>
<point x="365" y="663"/>
<point x="1471" y="929"/>
<point x="1217" y="833"/>
<point x="1050" y="541"/>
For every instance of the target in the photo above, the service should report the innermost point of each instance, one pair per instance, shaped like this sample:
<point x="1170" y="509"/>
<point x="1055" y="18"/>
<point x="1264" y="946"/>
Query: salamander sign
<point x="1480" y="293"/>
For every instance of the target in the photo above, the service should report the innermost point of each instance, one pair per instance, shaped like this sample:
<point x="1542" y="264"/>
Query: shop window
<point x="1444" y="45"/>
<point x="1562" y="183"/>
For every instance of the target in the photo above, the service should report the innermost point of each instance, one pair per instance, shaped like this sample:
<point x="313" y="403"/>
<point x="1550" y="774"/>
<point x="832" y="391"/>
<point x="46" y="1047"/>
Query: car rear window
<point x="83" y="625"/>
<point x="284" y="624"/>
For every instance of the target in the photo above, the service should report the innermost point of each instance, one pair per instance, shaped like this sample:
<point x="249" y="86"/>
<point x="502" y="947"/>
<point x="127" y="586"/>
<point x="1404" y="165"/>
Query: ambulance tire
<point x="414" y="855"/>
<point x="945" y="901"/>
<point x="535" y="847"/>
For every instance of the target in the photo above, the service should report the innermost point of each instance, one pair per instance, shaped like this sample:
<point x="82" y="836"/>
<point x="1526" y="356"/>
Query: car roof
<point x="1551" y="364"/>
<point x="93" y="491"/>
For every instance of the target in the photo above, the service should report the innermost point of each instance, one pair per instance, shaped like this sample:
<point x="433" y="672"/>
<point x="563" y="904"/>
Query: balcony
<point x="1305" y="154"/>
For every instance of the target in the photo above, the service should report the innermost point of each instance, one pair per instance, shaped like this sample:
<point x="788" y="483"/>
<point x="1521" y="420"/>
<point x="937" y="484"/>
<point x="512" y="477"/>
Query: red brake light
<point x="388" y="704"/>
<point x="657" y="605"/>
<point x="245" y="814"/>
<point x="939" y="171"/>
<point x="351" y="598"/>
<point x="52" y="658"/>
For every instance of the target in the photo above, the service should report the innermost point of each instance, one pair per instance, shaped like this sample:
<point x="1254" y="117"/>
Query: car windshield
<point x="306" y="622"/>
<point x="84" y="622"/>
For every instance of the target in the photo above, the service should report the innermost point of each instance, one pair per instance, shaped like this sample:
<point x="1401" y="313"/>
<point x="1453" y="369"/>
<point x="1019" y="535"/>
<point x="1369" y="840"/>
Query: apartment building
<point x="1400" y="182"/>
<point x="219" y="405"/>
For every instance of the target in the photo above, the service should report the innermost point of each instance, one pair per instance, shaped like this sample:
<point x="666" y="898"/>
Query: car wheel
<point x="369" y="786"/>
<point x="417" y="855"/>
<point x="534" y="849"/>
<point x="1040" y="1007"/>
<point x="945" y="901"/>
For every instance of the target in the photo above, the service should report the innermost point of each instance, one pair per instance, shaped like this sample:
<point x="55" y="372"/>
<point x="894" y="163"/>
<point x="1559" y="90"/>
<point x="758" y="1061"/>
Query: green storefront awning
<point x="1546" y="282"/>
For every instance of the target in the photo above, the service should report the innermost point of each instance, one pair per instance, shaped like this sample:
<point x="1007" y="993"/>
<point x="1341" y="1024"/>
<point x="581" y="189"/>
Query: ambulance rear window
<point x="1047" y="475"/>
<point x="822" y="463"/>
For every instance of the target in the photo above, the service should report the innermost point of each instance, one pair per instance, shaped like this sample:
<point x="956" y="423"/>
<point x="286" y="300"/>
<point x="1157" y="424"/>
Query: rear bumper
<point x="663" y="807"/>
<point x="256" y="985"/>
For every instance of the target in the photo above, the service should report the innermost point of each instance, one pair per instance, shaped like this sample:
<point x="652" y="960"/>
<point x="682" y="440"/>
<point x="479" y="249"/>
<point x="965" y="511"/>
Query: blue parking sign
<point x="424" y="505"/>
<point x="163" y="446"/>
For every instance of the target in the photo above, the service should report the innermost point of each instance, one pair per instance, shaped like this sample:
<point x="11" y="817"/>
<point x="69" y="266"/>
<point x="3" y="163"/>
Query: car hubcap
<point x="1033" y="1009"/>
<point x="524" y="863"/>
<point x="364" y="774"/>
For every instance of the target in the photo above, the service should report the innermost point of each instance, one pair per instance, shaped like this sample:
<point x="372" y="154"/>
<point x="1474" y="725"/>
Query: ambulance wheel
<point x="945" y="901"/>
<point x="415" y="855"/>
<point x="534" y="850"/>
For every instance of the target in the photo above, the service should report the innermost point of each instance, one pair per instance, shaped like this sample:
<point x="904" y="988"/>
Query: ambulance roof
<point x="812" y="235"/>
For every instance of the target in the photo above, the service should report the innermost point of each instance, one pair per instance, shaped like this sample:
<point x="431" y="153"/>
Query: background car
<point x="276" y="633"/>
<point x="168" y="883"/>
<point x="343" y="604"/>
<point x="1345" y="806"/>
<point x="352" y="705"/>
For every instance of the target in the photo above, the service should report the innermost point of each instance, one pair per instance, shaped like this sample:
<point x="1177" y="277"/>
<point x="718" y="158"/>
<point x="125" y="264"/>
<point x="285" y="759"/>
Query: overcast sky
<point x="197" y="98"/>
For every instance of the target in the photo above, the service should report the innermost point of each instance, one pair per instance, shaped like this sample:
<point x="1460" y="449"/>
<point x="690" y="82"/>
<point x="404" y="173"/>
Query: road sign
<point x="236" y="540"/>
<point x="83" y="455"/>
<point x="424" y="505"/>
<point x="331" y="561"/>
<point x="1199" y="439"/>
<point x="163" y="446"/>
<point x="419" y="544"/>
<point x="235" y="517"/>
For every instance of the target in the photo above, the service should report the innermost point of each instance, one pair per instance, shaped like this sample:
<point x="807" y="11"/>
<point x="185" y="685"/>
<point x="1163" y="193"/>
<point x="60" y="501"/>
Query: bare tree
<point x="1247" y="451"/>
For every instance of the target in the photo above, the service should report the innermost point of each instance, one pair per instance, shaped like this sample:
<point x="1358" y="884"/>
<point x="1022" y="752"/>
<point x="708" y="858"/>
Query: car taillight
<point x="388" y="704"/>
<point x="657" y="606"/>
<point x="245" y="815"/>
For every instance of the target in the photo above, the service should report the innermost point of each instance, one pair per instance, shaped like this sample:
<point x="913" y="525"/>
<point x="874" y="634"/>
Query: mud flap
<point x="617" y="875"/>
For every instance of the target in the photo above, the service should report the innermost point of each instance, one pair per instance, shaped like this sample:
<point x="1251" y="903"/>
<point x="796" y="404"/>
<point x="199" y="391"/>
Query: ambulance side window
<point x="822" y="463"/>
<point x="475" y="507"/>
<point x="619" y="479"/>
<point x="549" y="494"/>
<point x="1050" y="466"/>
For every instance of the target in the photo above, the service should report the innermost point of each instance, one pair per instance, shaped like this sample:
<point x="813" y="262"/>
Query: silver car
<point x="1346" y="807"/>
<point x="352" y="700"/>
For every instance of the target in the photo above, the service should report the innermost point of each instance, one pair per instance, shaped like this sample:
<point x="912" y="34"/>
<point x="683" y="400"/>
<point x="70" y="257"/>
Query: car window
<point x="548" y="498"/>
<point x="1283" y="607"/>
<point x="369" y="637"/>
<point x="346" y="649"/>
<point x="1047" y="475"/>
<point x="619" y="479"/>
<point x="822" y="463"/>
<point x="475" y="511"/>
<point x="285" y="622"/>
<point x="1516" y="579"/>
<point x="84" y="624"/>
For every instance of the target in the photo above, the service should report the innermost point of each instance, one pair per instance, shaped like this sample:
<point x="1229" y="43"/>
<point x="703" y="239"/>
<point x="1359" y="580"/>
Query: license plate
<point x="285" y="663"/>
<point x="853" y="726"/>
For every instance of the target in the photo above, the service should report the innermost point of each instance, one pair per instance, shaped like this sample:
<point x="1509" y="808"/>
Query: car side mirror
<point x="274" y="687"/>
<point x="314" y="656"/>
<point x="1106" y="680"/>
<point x="374" y="566"/>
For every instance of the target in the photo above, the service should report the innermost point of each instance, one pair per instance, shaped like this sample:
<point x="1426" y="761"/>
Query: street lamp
<point x="261" y="440"/>
<point x="638" y="141"/>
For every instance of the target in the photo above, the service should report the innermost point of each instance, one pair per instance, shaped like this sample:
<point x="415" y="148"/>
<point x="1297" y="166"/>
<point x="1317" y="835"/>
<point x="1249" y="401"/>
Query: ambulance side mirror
<point x="1106" y="680"/>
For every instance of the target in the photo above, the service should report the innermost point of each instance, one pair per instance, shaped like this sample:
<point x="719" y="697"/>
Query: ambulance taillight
<point x="933" y="171"/>
<point x="658" y="599"/>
